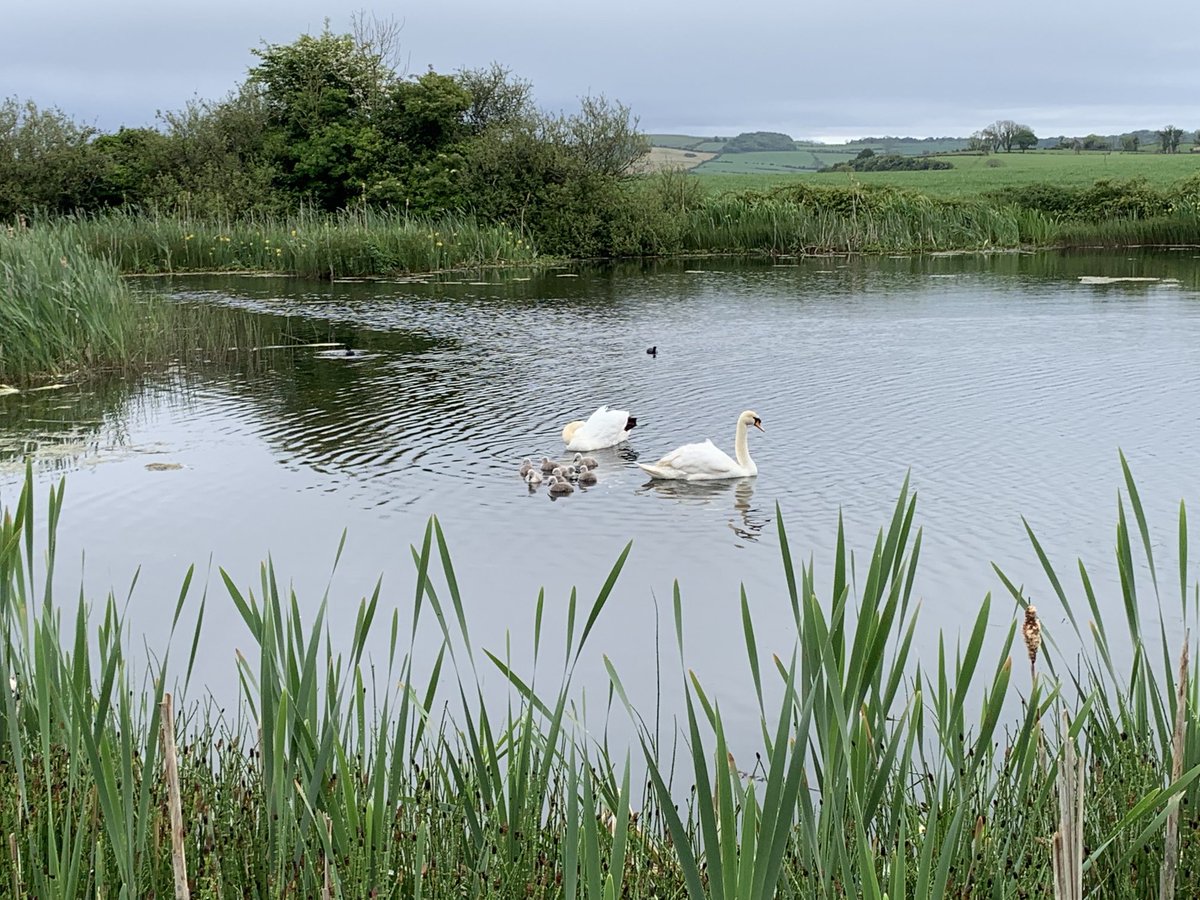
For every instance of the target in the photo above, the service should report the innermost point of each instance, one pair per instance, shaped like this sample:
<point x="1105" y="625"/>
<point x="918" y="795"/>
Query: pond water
<point x="1004" y="384"/>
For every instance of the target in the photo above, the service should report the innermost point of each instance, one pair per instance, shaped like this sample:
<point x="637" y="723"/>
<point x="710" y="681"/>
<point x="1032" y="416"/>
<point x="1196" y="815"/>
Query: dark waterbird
<point x="653" y="351"/>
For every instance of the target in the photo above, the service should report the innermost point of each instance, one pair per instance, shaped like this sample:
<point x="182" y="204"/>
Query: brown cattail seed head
<point x="1032" y="629"/>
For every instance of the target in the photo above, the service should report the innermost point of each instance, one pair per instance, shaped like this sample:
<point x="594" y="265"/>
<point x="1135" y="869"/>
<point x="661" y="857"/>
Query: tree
<point x="1025" y="138"/>
<point x="46" y="160"/>
<point x="497" y="97"/>
<point x="321" y="95"/>
<point x="1129" y="143"/>
<point x="560" y="177"/>
<point x="604" y="135"/>
<point x="979" y="143"/>
<point x="1002" y="135"/>
<point x="1168" y="139"/>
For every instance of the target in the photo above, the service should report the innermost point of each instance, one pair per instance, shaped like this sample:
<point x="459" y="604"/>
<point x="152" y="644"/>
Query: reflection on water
<point x="747" y="522"/>
<point x="1001" y="382"/>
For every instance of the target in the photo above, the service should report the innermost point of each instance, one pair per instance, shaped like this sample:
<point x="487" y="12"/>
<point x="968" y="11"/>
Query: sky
<point x="816" y="70"/>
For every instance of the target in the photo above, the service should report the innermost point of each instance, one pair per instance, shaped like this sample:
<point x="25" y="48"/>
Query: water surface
<point x="1001" y="385"/>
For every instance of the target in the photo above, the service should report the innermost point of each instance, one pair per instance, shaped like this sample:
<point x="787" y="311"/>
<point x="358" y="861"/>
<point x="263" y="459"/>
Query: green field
<point x="970" y="175"/>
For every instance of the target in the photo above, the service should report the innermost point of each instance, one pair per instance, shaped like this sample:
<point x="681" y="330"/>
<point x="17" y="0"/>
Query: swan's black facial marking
<point x="758" y="424"/>
<point x="630" y="423"/>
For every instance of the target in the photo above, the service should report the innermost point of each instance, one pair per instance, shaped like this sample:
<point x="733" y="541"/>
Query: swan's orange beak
<point x="758" y="425"/>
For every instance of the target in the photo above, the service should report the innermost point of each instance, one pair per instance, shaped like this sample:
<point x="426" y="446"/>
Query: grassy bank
<point x="341" y="772"/>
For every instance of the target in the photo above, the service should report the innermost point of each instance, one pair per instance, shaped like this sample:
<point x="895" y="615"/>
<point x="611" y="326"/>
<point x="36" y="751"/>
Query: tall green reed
<point x="351" y="243"/>
<point x="888" y="761"/>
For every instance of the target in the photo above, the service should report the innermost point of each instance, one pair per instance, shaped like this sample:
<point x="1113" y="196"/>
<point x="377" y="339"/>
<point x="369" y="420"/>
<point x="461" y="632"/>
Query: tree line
<point x="327" y="122"/>
<point x="1005" y="134"/>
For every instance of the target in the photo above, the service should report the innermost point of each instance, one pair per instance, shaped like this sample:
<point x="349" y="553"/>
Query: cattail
<point x="1032" y="630"/>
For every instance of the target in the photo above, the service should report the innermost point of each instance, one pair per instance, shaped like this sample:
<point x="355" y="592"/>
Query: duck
<point x="560" y="488"/>
<point x="603" y="428"/>
<point x="587" y="476"/>
<point x="532" y="478"/>
<point x="705" y="461"/>
<point x="526" y="466"/>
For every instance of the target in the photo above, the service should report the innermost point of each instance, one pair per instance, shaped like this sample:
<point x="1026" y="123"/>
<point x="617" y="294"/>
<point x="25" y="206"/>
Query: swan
<point x="589" y="462"/>
<point x="558" y="487"/>
<point x="587" y="476"/>
<point x="548" y="465"/>
<point x="532" y="478"/>
<point x="705" y="462"/>
<point x="604" y="428"/>
<point x="526" y="467"/>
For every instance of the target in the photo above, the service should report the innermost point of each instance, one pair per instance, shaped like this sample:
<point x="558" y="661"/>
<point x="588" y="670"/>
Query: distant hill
<point x="767" y="151"/>
<point x="759" y="142"/>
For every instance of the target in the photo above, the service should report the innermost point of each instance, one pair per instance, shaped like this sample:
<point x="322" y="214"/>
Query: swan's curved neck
<point x="741" y="447"/>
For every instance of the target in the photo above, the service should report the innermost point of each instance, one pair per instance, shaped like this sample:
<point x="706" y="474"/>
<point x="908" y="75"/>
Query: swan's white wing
<point x="603" y="428"/>
<point x="696" y="461"/>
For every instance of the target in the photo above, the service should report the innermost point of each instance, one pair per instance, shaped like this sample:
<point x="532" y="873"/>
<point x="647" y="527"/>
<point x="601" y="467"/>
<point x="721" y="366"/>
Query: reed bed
<point x="1021" y="771"/>
<point x="1163" y="231"/>
<point x="62" y="308"/>
<point x="858" y="222"/>
<point x="66" y="313"/>
<point x="352" y="243"/>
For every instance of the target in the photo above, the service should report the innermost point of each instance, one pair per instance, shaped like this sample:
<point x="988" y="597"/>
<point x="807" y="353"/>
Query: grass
<point x="64" y="309"/>
<point x="354" y="243"/>
<point x="971" y="175"/>
<point x="892" y="761"/>
<point x="67" y="314"/>
<point x="858" y="221"/>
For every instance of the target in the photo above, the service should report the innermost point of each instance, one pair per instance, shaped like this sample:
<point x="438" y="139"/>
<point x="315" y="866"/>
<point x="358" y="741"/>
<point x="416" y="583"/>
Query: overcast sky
<point x="825" y="70"/>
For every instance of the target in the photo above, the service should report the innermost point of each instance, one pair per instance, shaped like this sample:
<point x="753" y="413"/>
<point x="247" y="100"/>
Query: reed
<point x="357" y="242"/>
<point x="343" y="773"/>
<point x="62" y="308"/>
<point x="814" y="220"/>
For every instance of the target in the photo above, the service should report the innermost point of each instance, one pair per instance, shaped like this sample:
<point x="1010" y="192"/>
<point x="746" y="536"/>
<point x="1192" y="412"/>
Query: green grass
<point x="63" y="309"/>
<point x="365" y="242"/>
<point x="973" y="175"/>
<point x="66" y="313"/>
<point x="889" y="759"/>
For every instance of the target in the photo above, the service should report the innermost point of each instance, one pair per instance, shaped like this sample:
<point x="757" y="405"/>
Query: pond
<point x="1003" y="385"/>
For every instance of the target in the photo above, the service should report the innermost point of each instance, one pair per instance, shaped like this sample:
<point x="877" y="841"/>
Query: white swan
<point x="705" y="462"/>
<point x="604" y="428"/>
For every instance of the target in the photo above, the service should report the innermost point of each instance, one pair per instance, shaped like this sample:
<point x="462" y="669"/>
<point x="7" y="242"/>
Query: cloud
<point x="939" y="68"/>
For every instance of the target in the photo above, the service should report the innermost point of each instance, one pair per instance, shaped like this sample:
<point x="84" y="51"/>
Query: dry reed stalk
<point x="327" y="890"/>
<point x="1067" y="848"/>
<point x="16" y="864"/>
<point x="1032" y="630"/>
<point x="1171" y="848"/>
<point x="171" y="764"/>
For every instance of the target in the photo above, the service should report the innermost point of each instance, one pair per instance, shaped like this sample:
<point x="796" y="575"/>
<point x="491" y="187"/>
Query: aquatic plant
<point x="880" y="772"/>
<point x="315" y="245"/>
